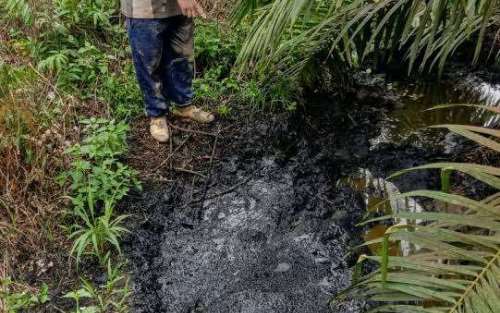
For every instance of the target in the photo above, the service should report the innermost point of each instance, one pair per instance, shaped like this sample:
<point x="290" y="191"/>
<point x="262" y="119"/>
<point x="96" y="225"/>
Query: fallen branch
<point x="184" y="170"/>
<point x="210" y="171"/>
<point x="172" y="154"/>
<point x="187" y="130"/>
<point x="220" y="194"/>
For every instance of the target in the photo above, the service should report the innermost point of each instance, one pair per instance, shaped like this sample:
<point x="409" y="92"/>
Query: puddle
<point x="379" y="198"/>
<point x="411" y="114"/>
<point x="287" y="193"/>
<point x="377" y="232"/>
<point x="411" y="117"/>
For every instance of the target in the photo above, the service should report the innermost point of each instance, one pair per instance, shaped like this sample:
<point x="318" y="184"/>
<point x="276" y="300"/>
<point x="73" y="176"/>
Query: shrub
<point x="98" y="182"/>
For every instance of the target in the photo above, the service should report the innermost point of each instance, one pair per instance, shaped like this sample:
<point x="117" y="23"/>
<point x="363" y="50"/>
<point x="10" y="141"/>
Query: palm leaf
<point x="476" y="106"/>
<point x="288" y="33"/>
<point x="454" y="266"/>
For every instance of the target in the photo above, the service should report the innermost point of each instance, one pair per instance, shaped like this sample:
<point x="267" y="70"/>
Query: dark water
<point x="286" y="195"/>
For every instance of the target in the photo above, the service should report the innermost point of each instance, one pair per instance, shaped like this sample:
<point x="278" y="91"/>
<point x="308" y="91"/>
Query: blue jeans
<point x="162" y="50"/>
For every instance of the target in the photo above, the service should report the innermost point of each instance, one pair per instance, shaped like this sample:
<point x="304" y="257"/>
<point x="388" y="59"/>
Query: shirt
<point x="150" y="8"/>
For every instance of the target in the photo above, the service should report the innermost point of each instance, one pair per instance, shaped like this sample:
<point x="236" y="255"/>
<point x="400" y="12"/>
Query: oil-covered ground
<point x="261" y="219"/>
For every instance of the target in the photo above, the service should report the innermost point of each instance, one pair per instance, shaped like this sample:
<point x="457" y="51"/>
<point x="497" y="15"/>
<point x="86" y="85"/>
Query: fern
<point x="55" y="63"/>
<point x="18" y="9"/>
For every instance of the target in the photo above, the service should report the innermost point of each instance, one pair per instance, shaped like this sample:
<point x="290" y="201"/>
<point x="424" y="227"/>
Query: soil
<point x="258" y="212"/>
<point x="249" y="216"/>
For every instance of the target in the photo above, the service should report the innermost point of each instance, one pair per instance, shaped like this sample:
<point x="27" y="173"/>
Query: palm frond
<point x="288" y="33"/>
<point x="454" y="264"/>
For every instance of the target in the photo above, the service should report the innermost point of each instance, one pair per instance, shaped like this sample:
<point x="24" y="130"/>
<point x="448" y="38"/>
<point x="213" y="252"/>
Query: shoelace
<point x="159" y="123"/>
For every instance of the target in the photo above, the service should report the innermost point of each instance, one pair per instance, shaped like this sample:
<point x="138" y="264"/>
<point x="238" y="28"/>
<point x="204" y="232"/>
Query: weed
<point x="16" y="126"/>
<point x="12" y="77"/>
<point x="111" y="296"/>
<point x="97" y="233"/>
<point x="98" y="181"/>
<point x="213" y="86"/>
<point x="76" y="51"/>
<point x="216" y="52"/>
<point x="122" y="92"/>
<point x="18" y="9"/>
<point x="224" y="110"/>
<point x="109" y="180"/>
<point x="215" y="46"/>
<point x="104" y="139"/>
<point x="18" y="301"/>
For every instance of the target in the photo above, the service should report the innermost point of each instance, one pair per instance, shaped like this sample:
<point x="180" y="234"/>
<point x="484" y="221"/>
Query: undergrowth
<point x="98" y="181"/>
<point x="217" y="47"/>
<point x="67" y="90"/>
<point x="67" y="93"/>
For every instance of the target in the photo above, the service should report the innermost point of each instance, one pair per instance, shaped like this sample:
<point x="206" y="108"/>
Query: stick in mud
<point x="172" y="154"/>
<point x="191" y="130"/>
<point x="184" y="170"/>
<point x="220" y="194"/>
<point x="211" y="166"/>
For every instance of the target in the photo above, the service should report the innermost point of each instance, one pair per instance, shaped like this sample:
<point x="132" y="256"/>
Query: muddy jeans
<point x="162" y="50"/>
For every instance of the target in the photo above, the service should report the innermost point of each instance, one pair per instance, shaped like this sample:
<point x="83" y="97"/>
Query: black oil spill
<point x="274" y="235"/>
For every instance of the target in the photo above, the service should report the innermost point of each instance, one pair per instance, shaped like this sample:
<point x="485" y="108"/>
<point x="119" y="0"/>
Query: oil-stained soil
<point x="251" y="215"/>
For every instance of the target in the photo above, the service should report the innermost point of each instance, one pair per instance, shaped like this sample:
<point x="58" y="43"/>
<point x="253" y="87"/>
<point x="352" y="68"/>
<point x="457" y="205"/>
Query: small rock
<point x="321" y="260"/>
<point x="282" y="268"/>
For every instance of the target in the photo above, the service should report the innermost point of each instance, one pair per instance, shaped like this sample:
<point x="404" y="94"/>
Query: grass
<point x="57" y="68"/>
<point x="67" y="94"/>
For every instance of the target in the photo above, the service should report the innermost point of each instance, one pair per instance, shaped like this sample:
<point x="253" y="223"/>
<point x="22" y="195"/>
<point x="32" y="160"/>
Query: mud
<point x="270" y="228"/>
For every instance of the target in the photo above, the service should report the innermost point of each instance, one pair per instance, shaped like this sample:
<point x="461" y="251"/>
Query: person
<point x="161" y="35"/>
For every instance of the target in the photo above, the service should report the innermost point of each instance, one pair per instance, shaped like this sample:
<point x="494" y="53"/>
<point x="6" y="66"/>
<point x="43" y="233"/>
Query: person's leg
<point x="147" y="40"/>
<point x="178" y="69"/>
<point x="178" y="63"/>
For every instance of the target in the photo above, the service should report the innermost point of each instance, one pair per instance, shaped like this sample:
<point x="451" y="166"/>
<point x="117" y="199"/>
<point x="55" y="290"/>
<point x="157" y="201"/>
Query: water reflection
<point x="409" y="118"/>
<point x="379" y="196"/>
<point x="411" y="115"/>
<point x="489" y="94"/>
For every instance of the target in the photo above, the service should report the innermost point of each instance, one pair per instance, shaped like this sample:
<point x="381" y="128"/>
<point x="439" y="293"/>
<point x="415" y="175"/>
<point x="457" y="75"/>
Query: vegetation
<point x="15" y="301"/>
<point x="216" y="53"/>
<point x="291" y="36"/>
<point x="110" y="297"/>
<point x="98" y="182"/>
<point x="62" y="61"/>
<point x="68" y="93"/>
<point x="454" y="264"/>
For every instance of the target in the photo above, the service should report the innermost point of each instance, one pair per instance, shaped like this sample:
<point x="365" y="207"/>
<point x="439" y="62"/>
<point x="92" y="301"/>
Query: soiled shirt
<point x="150" y="8"/>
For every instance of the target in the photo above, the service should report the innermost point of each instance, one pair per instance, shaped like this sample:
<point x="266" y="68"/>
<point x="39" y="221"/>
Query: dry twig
<point x="184" y="170"/>
<point x="187" y="130"/>
<point x="172" y="154"/>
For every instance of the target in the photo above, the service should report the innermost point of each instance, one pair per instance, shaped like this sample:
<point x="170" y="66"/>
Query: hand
<point x="191" y="8"/>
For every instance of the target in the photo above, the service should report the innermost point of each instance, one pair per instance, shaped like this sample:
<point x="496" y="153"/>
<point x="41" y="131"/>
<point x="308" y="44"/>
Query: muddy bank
<point x="269" y="240"/>
<point x="263" y="220"/>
